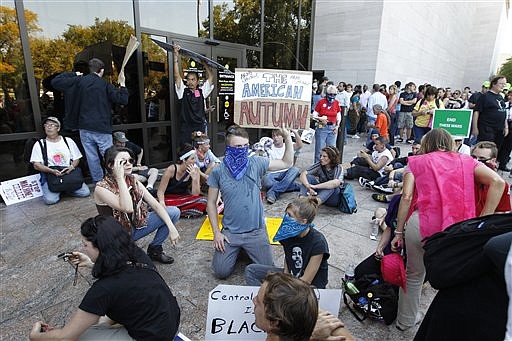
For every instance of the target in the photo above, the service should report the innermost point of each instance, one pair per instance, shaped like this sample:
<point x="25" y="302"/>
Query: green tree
<point x="12" y="65"/>
<point x="241" y="24"/>
<point x="116" y="31"/>
<point x="506" y="69"/>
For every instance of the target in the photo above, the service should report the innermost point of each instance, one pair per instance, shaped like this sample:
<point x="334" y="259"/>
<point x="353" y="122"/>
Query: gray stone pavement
<point x="35" y="285"/>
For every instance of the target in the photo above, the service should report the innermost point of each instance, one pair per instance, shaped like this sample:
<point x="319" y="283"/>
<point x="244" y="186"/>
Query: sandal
<point x="380" y="197"/>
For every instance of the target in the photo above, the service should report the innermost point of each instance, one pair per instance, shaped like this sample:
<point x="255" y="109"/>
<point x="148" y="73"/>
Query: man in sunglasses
<point x="486" y="152"/>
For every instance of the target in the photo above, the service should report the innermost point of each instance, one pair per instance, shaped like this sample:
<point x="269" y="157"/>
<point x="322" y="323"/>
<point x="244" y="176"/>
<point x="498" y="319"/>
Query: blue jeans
<point x="51" y="198"/>
<point x="324" y="136"/>
<point x="255" y="273"/>
<point x="92" y="141"/>
<point x="420" y="131"/>
<point x="329" y="197"/>
<point x="154" y="222"/>
<point x="280" y="182"/>
<point x="255" y="243"/>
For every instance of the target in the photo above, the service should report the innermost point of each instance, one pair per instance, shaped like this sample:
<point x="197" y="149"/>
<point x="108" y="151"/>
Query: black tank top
<point x="180" y="186"/>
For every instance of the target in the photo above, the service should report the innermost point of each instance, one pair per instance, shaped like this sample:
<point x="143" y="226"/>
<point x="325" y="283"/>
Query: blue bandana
<point x="236" y="160"/>
<point x="290" y="228"/>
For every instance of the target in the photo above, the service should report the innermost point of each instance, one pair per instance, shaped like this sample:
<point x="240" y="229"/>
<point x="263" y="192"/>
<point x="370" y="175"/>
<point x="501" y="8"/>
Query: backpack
<point x="348" y="202"/>
<point x="375" y="298"/>
<point x="451" y="255"/>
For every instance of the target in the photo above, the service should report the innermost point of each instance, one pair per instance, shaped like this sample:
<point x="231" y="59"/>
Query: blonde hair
<point x="437" y="139"/>
<point x="304" y="208"/>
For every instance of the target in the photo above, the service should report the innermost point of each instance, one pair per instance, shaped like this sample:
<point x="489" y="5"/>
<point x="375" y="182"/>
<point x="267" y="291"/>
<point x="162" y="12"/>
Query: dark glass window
<point x="71" y="32"/>
<point x="237" y="21"/>
<point x="185" y="17"/>
<point x="16" y="113"/>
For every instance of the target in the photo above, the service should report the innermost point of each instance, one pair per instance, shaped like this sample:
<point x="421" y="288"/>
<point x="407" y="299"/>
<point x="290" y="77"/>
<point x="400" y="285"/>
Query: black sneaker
<point x="411" y="141"/>
<point x="401" y="140"/>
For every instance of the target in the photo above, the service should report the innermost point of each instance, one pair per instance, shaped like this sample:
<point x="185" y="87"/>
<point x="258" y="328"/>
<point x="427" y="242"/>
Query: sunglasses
<point x="131" y="161"/>
<point x="481" y="159"/>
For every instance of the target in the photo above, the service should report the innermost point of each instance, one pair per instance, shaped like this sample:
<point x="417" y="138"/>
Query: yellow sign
<point x="206" y="233"/>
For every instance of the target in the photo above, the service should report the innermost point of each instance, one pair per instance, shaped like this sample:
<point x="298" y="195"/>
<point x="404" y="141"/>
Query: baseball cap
<point x="120" y="136"/>
<point x="53" y="119"/>
<point x="486" y="84"/>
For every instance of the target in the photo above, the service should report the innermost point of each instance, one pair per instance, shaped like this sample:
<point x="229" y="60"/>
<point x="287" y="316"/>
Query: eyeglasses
<point x="481" y="159"/>
<point x="205" y="142"/>
<point x="132" y="161"/>
<point x="51" y="125"/>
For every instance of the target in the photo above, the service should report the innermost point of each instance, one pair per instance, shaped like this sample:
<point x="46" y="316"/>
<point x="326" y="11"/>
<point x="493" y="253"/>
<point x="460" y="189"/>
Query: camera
<point x="65" y="256"/>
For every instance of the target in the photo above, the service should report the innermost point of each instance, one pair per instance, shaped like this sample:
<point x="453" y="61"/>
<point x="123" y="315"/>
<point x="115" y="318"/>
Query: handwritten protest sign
<point x="456" y="121"/>
<point x="21" y="189"/>
<point x="231" y="312"/>
<point x="272" y="98"/>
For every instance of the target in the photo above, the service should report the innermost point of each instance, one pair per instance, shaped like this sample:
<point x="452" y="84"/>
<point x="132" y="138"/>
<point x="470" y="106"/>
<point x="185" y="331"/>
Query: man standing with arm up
<point x="237" y="178"/>
<point x="96" y="97"/>
<point x="192" y="115"/>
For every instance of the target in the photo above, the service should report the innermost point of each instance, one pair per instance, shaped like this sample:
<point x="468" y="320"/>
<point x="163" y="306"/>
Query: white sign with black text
<point x="231" y="311"/>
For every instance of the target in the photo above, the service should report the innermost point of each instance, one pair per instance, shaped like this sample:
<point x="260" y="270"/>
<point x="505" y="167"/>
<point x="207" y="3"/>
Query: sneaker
<point x="380" y="197"/>
<point x="410" y="141"/>
<point x="363" y="182"/>
<point x="382" y="189"/>
<point x="399" y="139"/>
<point x="271" y="199"/>
<point x="355" y="136"/>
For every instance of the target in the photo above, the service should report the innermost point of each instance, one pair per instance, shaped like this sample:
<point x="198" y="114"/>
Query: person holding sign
<point x="93" y="117"/>
<point x="327" y="114"/>
<point x="305" y="249"/>
<point x="191" y="96"/>
<point x="286" y="308"/>
<point x="237" y="178"/>
<point x="424" y="111"/>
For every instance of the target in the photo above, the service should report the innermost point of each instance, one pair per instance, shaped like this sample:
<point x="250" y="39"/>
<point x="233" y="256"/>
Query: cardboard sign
<point x="231" y="312"/>
<point x="206" y="233"/>
<point x="456" y="121"/>
<point x="272" y="98"/>
<point x="21" y="189"/>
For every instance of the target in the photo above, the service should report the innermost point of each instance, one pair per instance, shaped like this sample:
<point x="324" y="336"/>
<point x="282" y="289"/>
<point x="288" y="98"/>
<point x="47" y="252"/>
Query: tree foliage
<point x="241" y="24"/>
<point x="506" y="69"/>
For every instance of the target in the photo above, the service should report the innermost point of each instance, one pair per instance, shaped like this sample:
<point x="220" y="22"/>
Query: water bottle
<point x="362" y="301"/>
<point x="349" y="273"/>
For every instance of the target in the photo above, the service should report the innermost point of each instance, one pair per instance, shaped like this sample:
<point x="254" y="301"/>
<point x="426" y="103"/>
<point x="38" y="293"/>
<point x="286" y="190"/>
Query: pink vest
<point x="445" y="189"/>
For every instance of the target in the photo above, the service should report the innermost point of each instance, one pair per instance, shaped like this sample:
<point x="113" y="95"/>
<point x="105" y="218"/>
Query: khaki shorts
<point x="405" y="120"/>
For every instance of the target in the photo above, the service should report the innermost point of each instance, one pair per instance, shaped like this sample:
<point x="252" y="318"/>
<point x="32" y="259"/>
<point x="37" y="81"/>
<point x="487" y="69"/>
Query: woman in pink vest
<point x="438" y="191"/>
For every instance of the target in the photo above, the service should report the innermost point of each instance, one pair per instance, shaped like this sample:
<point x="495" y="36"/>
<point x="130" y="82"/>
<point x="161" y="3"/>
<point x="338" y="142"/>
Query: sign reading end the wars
<point x="272" y="98"/>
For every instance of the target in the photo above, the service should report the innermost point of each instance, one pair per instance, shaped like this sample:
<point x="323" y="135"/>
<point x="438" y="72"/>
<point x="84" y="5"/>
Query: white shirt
<point x="343" y="99"/>
<point x="376" y="98"/>
<point x="58" y="153"/>
<point x="207" y="89"/>
<point x="364" y="98"/>
<point x="376" y="156"/>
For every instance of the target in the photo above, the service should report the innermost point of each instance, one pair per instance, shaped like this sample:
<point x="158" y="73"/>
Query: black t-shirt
<point x="192" y="107"/>
<point x="298" y="251"/>
<point x="474" y="97"/>
<point x="139" y="299"/>
<point x="407" y="96"/>
<point x="134" y="148"/>
<point x="492" y="111"/>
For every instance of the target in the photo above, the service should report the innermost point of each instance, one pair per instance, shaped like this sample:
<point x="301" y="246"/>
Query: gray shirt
<point x="243" y="209"/>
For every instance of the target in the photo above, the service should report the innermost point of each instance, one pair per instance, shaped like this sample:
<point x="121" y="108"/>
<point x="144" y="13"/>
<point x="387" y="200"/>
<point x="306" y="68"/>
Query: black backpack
<point x="376" y="299"/>
<point x="451" y="255"/>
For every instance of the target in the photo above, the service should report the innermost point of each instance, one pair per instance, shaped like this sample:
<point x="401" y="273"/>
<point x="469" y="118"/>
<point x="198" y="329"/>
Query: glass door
<point x="222" y="100"/>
